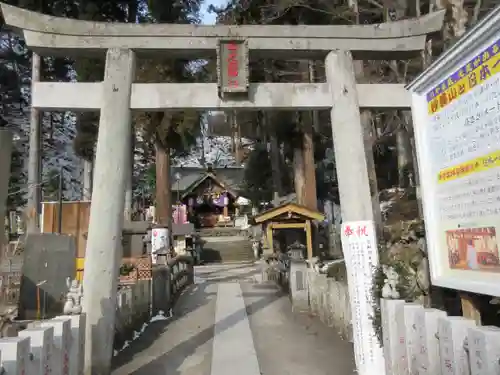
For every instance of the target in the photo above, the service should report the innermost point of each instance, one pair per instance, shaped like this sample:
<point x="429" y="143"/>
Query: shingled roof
<point x="232" y="177"/>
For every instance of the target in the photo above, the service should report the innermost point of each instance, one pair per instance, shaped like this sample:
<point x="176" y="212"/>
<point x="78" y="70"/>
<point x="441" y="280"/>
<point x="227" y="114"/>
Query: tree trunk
<point x="129" y="184"/>
<point x="239" y="149"/>
<point x="309" y="123"/>
<point x="304" y="168"/>
<point x="5" y="172"/>
<point x="132" y="11"/>
<point x="235" y="137"/>
<point x="369" y="137"/>
<point x="299" y="179"/>
<point x="309" y="167"/>
<point x="404" y="152"/>
<point x="274" y="154"/>
<point x="35" y="156"/>
<point x="88" y="170"/>
<point x="163" y="187"/>
<point x="276" y="167"/>
<point x="131" y="18"/>
<point x="269" y="128"/>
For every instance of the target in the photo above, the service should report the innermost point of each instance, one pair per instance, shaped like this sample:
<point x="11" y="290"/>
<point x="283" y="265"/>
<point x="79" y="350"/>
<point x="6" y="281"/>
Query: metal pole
<point x="60" y="207"/>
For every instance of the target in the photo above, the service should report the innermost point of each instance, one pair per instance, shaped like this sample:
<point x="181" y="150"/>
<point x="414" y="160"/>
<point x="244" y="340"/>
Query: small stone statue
<point x="389" y="290"/>
<point x="256" y="247"/>
<point x="73" y="305"/>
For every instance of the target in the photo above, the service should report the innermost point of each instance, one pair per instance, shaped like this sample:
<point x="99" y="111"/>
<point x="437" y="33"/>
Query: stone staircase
<point x="225" y="245"/>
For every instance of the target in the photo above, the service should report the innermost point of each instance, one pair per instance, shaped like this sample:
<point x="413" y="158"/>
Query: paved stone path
<point x="229" y="323"/>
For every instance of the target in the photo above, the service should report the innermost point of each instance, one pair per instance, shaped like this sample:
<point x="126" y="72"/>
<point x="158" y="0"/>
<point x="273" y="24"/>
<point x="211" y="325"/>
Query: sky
<point x="209" y="18"/>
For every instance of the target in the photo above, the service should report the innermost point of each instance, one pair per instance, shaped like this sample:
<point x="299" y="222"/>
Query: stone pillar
<point x="359" y="237"/>
<point x="299" y="292"/>
<point x="106" y="214"/>
<point x="5" y="163"/>
<point x="392" y="338"/>
<point x="34" y="159"/>
<point x="348" y="139"/>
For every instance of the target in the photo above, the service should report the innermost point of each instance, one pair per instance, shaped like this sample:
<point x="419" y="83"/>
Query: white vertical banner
<point x="359" y="243"/>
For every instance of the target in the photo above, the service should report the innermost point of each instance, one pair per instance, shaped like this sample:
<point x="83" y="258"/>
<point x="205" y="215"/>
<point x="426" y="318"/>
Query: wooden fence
<point x="75" y="221"/>
<point x="425" y="341"/>
<point x="141" y="269"/>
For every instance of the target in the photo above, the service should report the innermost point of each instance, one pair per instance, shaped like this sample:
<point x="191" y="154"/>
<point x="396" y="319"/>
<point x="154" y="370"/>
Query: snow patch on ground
<point x="137" y="334"/>
<point x="324" y="268"/>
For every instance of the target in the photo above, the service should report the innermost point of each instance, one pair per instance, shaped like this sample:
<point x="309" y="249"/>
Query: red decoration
<point x="232" y="64"/>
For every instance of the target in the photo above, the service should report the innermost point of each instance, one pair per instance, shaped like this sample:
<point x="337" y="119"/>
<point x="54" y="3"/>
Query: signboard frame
<point x="448" y="75"/>
<point x="227" y="91"/>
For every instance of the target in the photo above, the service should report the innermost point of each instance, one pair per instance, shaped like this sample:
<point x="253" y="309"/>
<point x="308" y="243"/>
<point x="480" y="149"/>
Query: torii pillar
<point x="360" y="250"/>
<point x="104" y="244"/>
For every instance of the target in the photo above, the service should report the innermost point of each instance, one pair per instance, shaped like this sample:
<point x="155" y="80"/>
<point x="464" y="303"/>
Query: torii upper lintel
<point x="51" y="35"/>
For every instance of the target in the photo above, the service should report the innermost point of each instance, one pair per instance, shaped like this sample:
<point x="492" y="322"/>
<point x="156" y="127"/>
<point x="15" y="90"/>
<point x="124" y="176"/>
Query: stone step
<point x="227" y="252"/>
<point x="221" y="232"/>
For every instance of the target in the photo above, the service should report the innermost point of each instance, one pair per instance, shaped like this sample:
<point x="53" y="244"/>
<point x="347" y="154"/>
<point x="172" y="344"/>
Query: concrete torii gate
<point x="117" y="95"/>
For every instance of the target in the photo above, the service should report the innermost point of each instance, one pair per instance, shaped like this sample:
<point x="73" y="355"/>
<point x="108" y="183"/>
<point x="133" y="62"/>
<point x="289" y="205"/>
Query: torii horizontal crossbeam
<point x="204" y="96"/>
<point x="55" y="36"/>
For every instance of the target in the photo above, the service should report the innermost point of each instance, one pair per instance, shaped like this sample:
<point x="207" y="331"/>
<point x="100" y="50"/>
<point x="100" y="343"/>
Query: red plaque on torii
<point x="232" y="68"/>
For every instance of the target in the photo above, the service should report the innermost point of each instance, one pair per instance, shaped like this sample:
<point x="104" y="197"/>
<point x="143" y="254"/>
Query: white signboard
<point x="359" y="244"/>
<point x="159" y="243"/>
<point x="457" y="125"/>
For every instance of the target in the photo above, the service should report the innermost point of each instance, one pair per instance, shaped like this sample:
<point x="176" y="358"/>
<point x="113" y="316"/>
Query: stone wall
<point x="137" y="303"/>
<point x="319" y="294"/>
<point x="169" y="281"/>
<point x="329" y="300"/>
<point x="133" y="309"/>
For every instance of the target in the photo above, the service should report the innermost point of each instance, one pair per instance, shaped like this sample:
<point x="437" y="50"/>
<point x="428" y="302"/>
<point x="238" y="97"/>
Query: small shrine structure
<point x="290" y="216"/>
<point x="210" y="195"/>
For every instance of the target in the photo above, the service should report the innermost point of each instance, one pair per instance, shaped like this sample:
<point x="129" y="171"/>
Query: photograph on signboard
<point x="474" y="249"/>
<point x="456" y="110"/>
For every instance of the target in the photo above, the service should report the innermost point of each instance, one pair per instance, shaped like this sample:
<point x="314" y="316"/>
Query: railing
<point x="133" y="309"/>
<point x="170" y="280"/>
<point x="313" y="292"/>
<point x="420" y="340"/>
<point x="328" y="299"/>
<point x="181" y="274"/>
<point x="51" y="346"/>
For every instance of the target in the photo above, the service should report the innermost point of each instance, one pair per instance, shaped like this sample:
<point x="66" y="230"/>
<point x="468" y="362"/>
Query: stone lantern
<point x="297" y="251"/>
